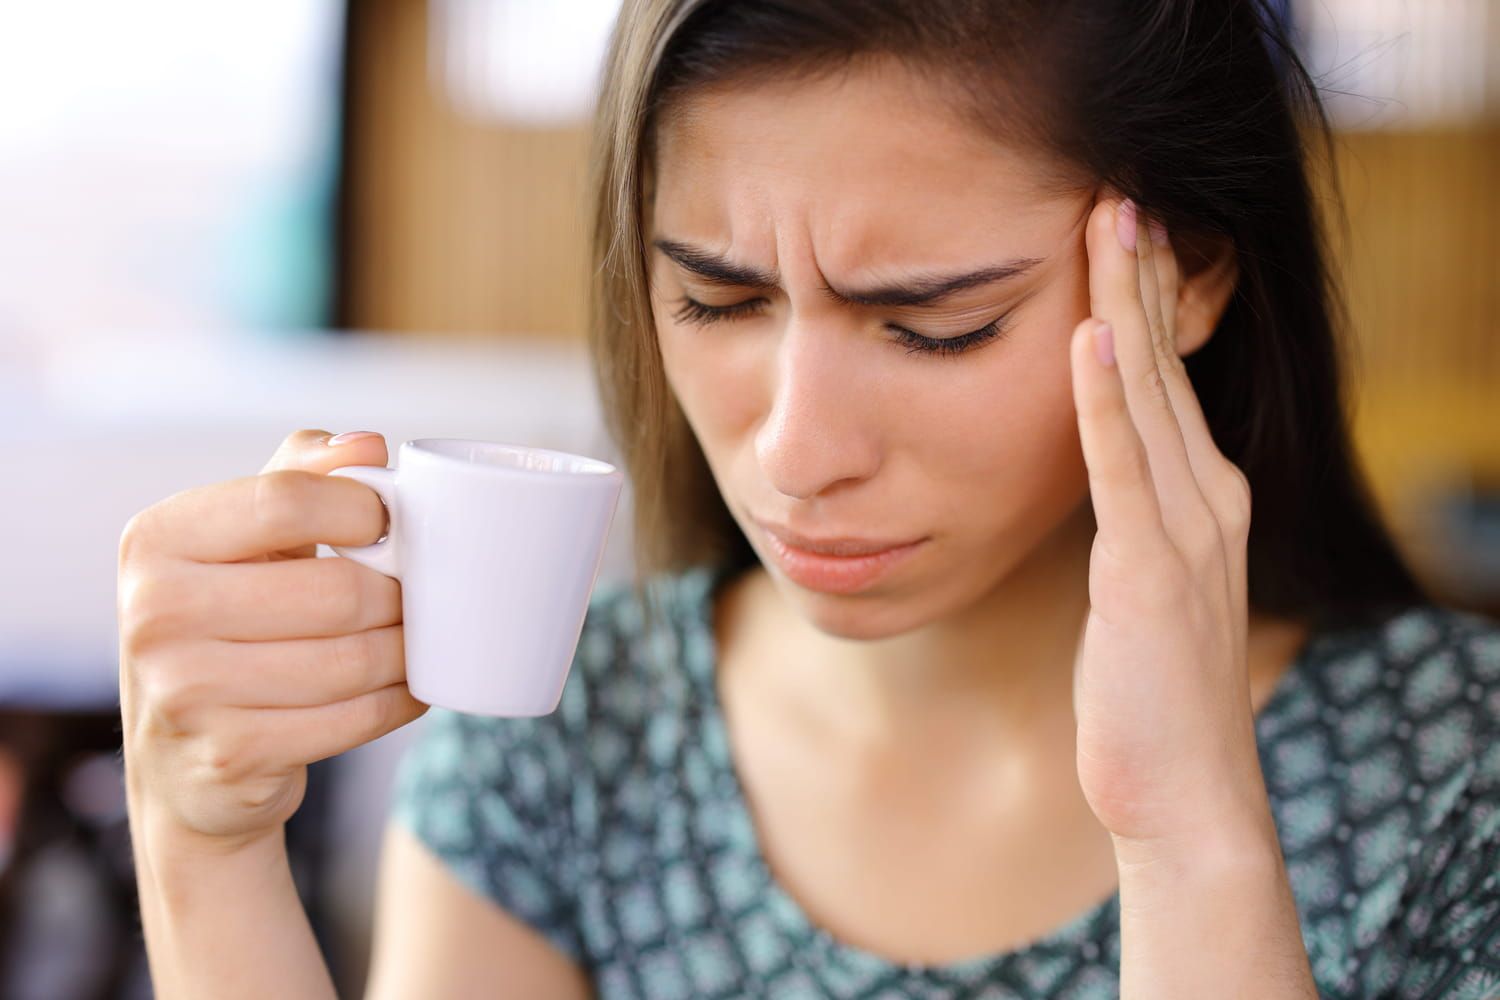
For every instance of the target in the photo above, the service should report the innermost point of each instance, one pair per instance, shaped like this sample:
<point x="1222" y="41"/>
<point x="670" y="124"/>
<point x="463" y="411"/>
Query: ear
<point x="1210" y="270"/>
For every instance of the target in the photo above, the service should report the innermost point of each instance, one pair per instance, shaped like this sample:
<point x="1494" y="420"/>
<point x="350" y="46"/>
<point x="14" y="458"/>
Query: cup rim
<point x="595" y="468"/>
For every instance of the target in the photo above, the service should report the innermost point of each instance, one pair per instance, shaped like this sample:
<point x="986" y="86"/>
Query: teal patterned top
<point x="617" y="826"/>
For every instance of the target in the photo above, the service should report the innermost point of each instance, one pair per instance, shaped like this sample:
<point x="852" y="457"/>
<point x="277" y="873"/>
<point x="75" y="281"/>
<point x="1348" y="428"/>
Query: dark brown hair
<point x="1199" y="110"/>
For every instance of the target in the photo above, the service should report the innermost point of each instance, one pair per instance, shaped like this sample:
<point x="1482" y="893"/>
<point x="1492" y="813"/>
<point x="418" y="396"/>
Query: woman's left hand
<point x="1166" y="746"/>
<point x="1167" y="757"/>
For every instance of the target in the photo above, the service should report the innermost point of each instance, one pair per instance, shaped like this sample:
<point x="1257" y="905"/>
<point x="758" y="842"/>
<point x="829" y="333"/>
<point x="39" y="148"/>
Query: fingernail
<point x="1125" y="224"/>
<point x="1158" y="232"/>
<point x="348" y="436"/>
<point x="1104" y="343"/>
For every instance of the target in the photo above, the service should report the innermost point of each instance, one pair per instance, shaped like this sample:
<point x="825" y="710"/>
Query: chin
<point x="878" y="614"/>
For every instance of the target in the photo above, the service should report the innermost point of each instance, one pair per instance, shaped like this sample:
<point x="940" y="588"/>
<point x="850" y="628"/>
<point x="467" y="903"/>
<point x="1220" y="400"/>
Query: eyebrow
<point x="918" y="290"/>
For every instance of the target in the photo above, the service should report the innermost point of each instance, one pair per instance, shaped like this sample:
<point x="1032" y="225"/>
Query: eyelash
<point x="699" y="314"/>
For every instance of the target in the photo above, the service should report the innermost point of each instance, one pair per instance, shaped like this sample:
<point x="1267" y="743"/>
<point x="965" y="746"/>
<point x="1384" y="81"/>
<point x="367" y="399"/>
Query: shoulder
<point x="1384" y="766"/>
<point x="1408" y="707"/>
<point x="1418" y="690"/>
<point x="1431" y="671"/>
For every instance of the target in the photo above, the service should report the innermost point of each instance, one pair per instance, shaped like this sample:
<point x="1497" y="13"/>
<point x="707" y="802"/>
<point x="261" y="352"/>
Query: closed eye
<point x="698" y="314"/>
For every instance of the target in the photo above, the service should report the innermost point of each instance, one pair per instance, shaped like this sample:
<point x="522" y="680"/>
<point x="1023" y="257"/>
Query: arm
<point x="436" y="937"/>
<point x="221" y="922"/>
<point x="243" y="658"/>
<point x="1215" y="921"/>
<point x="229" y="924"/>
<point x="1167" y="754"/>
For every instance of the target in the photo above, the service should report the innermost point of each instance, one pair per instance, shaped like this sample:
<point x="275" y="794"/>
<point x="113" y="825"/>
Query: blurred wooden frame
<point x="453" y="225"/>
<point x="462" y="226"/>
<point x="1422" y="275"/>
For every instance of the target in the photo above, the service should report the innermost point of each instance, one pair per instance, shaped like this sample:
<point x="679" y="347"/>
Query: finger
<point x="1163" y="340"/>
<point x="310" y="734"/>
<point x="1203" y="453"/>
<point x="1168" y="278"/>
<point x="291" y="673"/>
<point x="1117" y="295"/>
<point x="293" y="599"/>
<point x="254" y="515"/>
<point x="1120" y="482"/>
<point x="311" y="451"/>
<point x="1220" y="486"/>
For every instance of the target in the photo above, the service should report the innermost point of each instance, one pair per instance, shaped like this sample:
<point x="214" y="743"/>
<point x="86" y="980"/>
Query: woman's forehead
<point x="854" y="158"/>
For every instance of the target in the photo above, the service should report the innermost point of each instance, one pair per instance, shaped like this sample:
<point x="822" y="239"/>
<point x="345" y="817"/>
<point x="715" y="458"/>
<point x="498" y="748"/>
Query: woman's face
<point x="816" y="414"/>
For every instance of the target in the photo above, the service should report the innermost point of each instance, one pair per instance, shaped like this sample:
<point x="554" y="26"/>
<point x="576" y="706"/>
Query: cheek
<point x="1007" y="428"/>
<point x="714" y="382"/>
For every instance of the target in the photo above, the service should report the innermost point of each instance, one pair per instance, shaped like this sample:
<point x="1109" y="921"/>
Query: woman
<point x="947" y="345"/>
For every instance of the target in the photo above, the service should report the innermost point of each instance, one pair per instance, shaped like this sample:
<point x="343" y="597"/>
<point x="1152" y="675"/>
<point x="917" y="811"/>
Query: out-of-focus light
<point x="166" y="165"/>
<point x="519" y="60"/>
<point x="1403" y="64"/>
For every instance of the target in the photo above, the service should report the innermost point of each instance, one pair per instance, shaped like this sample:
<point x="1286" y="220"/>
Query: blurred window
<point x="167" y="165"/>
<point x="1403" y="64"/>
<point x="521" y="61"/>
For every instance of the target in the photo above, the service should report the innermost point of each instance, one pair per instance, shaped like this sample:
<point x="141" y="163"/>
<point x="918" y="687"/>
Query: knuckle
<point x="134" y="594"/>
<point x="387" y="655"/>
<point x="1167" y="356"/>
<point x="262" y="796"/>
<point x="298" y="442"/>
<point x="281" y="499"/>
<point x="374" y="710"/>
<point x="397" y="707"/>
<point x="365" y="506"/>
<point x="174" y="694"/>
<point x="133" y="536"/>
<point x="1128" y="464"/>
<point x="1124" y="465"/>
<point x="336" y="591"/>
<point x="150" y="607"/>
<point x="359" y="715"/>
<point x="1154" y="385"/>
<point x="229" y="757"/>
<point x="1106" y="567"/>
<point x="1234" y="494"/>
<point x="285" y="454"/>
<point x="386" y="708"/>
<point x="354" y="656"/>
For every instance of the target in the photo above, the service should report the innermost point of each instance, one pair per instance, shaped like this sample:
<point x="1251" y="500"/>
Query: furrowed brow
<point x="918" y="290"/>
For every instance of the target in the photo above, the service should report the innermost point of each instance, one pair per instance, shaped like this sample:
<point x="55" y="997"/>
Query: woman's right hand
<point x="243" y="656"/>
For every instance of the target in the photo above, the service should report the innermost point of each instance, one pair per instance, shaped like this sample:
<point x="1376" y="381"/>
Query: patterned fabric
<point x="617" y="826"/>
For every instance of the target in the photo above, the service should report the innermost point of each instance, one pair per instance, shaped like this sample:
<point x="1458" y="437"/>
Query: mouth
<point x="843" y="545"/>
<point x="836" y="565"/>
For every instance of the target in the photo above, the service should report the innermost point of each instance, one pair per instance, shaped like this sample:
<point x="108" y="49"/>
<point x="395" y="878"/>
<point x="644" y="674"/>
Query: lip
<point x="843" y="545"/>
<point x="843" y="565"/>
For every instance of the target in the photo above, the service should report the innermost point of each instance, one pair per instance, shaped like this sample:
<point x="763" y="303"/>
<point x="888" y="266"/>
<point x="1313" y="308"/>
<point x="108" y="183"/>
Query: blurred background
<point x="224" y="222"/>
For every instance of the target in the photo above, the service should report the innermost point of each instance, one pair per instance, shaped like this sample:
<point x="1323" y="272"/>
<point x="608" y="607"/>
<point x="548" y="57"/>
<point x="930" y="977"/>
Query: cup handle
<point x="381" y="556"/>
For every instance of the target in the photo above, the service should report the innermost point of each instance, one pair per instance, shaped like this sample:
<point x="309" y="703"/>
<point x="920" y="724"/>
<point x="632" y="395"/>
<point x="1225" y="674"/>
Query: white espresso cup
<point x="497" y="548"/>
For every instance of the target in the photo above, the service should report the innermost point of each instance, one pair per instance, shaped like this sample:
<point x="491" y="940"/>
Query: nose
<point x="817" y="434"/>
